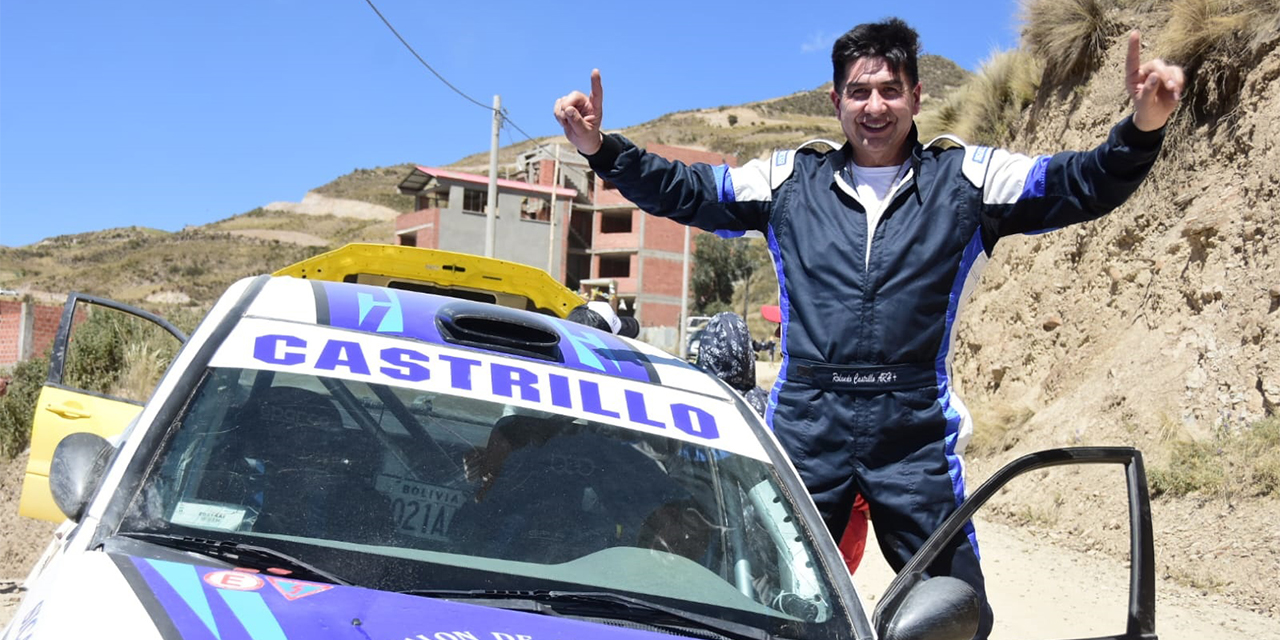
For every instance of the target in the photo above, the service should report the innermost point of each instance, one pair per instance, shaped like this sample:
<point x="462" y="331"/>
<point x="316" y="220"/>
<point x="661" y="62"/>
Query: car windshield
<point x="402" y="489"/>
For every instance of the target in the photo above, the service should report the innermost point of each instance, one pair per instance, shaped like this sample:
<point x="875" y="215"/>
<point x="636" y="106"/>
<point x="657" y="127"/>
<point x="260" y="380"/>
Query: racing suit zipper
<point x="899" y="190"/>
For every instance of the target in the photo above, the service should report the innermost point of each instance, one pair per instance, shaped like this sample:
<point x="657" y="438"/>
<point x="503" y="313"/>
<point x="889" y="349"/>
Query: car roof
<point x="479" y="350"/>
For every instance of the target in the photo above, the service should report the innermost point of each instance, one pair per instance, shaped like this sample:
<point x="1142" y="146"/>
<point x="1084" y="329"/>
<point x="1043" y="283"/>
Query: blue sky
<point x="167" y="114"/>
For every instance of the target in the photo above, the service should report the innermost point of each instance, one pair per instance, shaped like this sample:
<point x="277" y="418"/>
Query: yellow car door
<point x="106" y="360"/>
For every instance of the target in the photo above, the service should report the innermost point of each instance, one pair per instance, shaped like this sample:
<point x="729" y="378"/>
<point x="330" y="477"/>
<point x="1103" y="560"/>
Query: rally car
<point x="336" y="459"/>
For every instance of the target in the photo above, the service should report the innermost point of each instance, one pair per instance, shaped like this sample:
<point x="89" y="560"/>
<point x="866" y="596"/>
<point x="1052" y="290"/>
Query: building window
<point x="473" y="201"/>
<point x="409" y="239"/>
<point x="615" y="266"/>
<point x="535" y="209"/>
<point x="615" y="222"/>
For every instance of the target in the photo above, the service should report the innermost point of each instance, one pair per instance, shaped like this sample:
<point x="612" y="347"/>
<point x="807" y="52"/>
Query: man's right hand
<point x="581" y="117"/>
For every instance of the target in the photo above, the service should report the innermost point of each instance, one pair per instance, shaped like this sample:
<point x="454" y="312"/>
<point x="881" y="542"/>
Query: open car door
<point x="106" y="360"/>
<point x="918" y="607"/>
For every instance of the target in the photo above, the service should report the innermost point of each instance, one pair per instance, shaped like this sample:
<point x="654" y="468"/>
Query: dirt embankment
<point x="1159" y="323"/>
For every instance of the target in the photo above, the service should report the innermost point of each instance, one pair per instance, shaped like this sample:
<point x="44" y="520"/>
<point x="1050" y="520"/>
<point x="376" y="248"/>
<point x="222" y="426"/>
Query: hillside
<point x="1159" y="325"/>
<point x="189" y="268"/>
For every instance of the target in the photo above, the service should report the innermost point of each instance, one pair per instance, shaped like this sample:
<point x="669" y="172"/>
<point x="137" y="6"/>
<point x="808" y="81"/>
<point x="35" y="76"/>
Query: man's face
<point x="875" y="108"/>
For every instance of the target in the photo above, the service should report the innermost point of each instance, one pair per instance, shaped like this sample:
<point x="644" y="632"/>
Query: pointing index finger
<point x="597" y="90"/>
<point x="1133" y="58"/>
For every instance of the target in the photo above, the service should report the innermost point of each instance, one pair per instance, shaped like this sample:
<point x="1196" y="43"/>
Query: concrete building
<point x="450" y="215"/>
<point x="599" y="240"/>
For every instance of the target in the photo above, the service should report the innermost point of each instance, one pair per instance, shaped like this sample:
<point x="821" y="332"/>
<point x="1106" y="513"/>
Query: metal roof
<point x="423" y="177"/>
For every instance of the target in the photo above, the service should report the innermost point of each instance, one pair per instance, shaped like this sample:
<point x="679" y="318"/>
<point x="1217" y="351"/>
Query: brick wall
<point x="10" y="327"/>
<point x="38" y="321"/>
<point x="44" y="328"/>
<point x="662" y="276"/>
<point x="661" y="234"/>
<point x="546" y="172"/>
<point x="660" y="314"/>
<point x="426" y="228"/>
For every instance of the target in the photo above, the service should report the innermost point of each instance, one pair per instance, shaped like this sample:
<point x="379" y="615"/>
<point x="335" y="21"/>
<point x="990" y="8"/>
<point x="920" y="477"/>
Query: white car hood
<point x="103" y="595"/>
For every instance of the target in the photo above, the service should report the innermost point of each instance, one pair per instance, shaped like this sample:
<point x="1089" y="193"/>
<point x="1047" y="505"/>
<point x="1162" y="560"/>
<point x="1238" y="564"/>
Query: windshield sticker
<point x="673" y="413"/>
<point x="206" y="515"/>
<point x="419" y="509"/>
<point x="290" y="611"/>
<point x="412" y="315"/>
<point x="234" y="580"/>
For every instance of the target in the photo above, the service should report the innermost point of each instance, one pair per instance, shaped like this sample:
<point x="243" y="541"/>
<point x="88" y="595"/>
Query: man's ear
<point x="835" y="102"/>
<point x="915" y="97"/>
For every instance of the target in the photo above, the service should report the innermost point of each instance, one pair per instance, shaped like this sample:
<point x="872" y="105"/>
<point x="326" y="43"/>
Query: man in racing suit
<point x="877" y="244"/>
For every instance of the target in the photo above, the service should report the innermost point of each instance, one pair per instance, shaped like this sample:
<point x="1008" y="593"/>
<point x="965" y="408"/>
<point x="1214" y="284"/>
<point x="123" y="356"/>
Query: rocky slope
<point x="1156" y="325"/>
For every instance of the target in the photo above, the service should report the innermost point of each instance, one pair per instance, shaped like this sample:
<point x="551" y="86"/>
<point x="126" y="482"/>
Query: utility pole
<point x="551" y="239"/>
<point x="684" y="298"/>
<point x="491" y="208"/>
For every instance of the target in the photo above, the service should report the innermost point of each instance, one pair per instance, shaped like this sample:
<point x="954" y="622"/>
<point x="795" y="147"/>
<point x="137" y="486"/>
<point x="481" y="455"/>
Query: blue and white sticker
<point x="379" y="359"/>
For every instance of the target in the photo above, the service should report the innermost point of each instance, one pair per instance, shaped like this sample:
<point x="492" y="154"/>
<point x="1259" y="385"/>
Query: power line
<point x="504" y="114"/>
<point x="424" y="62"/>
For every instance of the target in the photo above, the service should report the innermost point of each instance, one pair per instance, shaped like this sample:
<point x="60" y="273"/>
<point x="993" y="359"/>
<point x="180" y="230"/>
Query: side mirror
<point x="941" y="608"/>
<point x="78" y="464"/>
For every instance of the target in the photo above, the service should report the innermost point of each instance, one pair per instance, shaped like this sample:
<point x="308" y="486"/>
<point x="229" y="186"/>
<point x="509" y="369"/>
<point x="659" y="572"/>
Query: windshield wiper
<point x="603" y="604"/>
<point x="239" y="553"/>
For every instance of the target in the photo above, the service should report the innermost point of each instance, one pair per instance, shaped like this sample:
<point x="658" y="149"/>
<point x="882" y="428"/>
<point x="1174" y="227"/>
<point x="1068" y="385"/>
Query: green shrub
<point x="18" y="405"/>
<point x="117" y="354"/>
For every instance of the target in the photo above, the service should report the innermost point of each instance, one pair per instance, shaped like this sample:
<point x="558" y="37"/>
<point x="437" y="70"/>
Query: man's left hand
<point x="1155" y="86"/>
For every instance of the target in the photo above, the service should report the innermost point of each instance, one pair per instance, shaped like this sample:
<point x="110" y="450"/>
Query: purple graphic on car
<point x="413" y="315"/>
<point x="208" y="603"/>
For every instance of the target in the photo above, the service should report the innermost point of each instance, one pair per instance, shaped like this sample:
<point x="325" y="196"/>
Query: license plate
<point x="419" y="509"/>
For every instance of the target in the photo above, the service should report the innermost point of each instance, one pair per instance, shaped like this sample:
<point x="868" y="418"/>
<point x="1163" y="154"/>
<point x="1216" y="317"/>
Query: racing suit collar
<point x="913" y="141"/>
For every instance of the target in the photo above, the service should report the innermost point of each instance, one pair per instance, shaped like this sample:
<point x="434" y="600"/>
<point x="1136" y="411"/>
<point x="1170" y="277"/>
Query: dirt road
<point x="1041" y="591"/>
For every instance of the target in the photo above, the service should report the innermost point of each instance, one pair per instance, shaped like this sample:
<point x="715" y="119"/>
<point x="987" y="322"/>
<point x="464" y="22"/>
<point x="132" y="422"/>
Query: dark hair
<point x="891" y="39"/>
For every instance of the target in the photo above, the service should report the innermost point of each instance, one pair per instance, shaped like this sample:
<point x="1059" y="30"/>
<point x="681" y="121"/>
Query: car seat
<point x="556" y="492"/>
<point x="317" y="476"/>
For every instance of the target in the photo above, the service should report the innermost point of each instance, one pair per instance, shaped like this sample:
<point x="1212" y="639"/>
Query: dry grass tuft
<point x="1070" y="36"/>
<point x="1218" y="42"/>
<point x="997" y="428"/>
<point x="1200" y="28"/>
<point x="988" y="108"/>
<point x="1233" y="464"/>
<point x="944" y="118"/>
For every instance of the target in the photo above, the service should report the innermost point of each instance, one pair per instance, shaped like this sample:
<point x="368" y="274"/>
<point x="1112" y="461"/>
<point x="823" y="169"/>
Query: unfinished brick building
<point x="607" y="242"/>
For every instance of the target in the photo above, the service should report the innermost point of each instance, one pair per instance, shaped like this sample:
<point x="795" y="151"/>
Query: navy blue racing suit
<point x="863" y="402"/>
